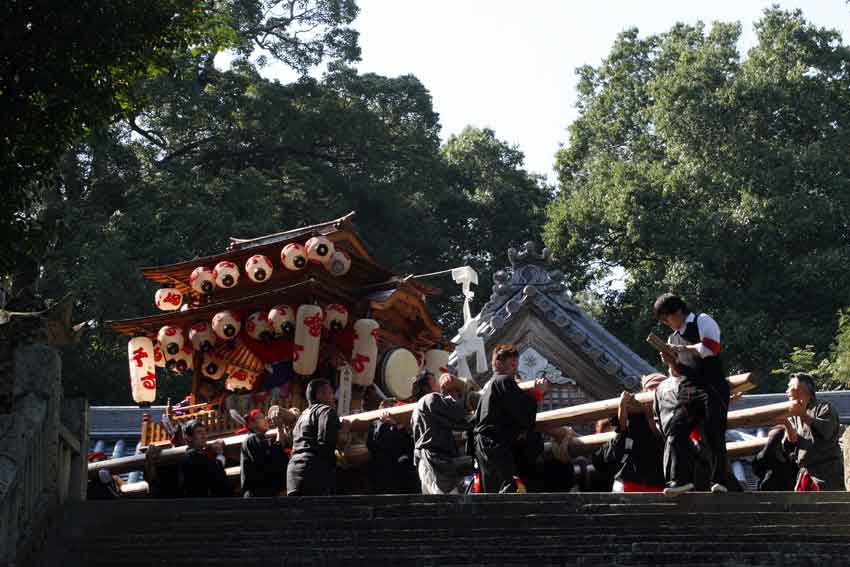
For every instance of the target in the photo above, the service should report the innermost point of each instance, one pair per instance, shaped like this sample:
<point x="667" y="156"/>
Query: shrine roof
<point x="530" y="288"/>
<point x="278" y="238"/>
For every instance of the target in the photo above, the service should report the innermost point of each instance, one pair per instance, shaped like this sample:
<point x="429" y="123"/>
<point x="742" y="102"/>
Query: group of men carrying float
<point x="673" y="447"/>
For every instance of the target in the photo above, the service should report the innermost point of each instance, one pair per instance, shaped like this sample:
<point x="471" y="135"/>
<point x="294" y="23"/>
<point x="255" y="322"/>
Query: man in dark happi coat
<point x="638" y="445"/>
<point x="263" y="460"/>
<point x="390" y="447"/>
<point x="811" y="437"/>
<point x="437" y="415"/>
<point x="315" y="438"/>
<point x="504" y="413"/>
<point x="201" y="472"/>
<point x="774" y="466"/>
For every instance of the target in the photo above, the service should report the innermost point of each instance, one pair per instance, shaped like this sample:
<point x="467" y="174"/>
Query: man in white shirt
<point x="703" y="393"/>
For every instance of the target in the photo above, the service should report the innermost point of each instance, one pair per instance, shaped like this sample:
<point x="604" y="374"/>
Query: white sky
<point x="510" y="65"/>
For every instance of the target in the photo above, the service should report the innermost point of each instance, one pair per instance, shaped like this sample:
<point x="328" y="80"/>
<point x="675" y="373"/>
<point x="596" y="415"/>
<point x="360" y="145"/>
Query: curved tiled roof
<point x="530" y="285"/>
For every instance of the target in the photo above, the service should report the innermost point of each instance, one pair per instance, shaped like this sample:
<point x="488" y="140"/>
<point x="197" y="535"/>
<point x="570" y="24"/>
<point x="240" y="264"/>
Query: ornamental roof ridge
<point x="528" y="268"/>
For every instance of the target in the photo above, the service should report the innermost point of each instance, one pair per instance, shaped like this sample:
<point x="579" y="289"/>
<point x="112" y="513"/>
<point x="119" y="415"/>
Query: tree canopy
<point x="209" y="153"/>
<point x="722" y="177"/>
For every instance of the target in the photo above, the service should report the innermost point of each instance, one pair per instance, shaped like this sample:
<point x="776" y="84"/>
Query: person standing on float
<point x="703" y="394"/>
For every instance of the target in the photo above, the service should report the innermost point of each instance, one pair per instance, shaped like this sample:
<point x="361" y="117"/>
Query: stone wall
<point x="42" y="460"/>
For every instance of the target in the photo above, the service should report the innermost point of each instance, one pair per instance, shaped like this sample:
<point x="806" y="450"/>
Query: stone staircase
<point x="782" y="529"/>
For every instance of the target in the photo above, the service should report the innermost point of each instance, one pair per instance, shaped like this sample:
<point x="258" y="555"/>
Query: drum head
<point x="399" y="372"/>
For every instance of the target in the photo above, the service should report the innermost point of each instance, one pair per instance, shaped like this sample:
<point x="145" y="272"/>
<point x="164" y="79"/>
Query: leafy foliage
<point x="220" y="153"/>
<point x="720" y="177"/>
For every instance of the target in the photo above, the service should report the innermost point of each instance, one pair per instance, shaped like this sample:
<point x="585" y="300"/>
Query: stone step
<point x="569" y="535"/>
<point x="543" y="556"/>
<point x="574" y="530"/>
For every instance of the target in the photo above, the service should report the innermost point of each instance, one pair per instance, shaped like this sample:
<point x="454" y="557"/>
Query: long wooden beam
<point x="593" y="411"/>
<point x="580" y="446"/>
<point x="546" y="421"/>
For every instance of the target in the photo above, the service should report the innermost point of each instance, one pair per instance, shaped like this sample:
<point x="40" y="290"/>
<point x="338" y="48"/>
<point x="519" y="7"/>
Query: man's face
<point x="673" y="320"/>
<point x="260" y="424"/>
<point x="199" y="437"/>
<point x="797" y="391"/>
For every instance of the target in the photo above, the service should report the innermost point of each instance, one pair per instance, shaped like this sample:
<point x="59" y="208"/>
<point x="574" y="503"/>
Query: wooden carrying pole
<point x="593" y="411"/>
<point x="546" y="421"/>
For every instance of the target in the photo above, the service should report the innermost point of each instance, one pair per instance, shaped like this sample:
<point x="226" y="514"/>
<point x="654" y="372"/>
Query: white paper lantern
<point x="308" y="333"/>
<point x="183" y="360"/>
<point x="282" y="319"/>
<point x="226" y="325"/>
<point x="168" y="299"/>
<point x="226" y="274"/>
<point x="339" y="264"/>
<point x="259" y="268"/>
<point x="171" y="340"/>
<point x="437" y="362"/>
<point x="258" y="328"/>
<point x="336" y="317"/>
<point x="201" y="336"/>
<point x="320" y="249"/>
<point x="202" y="280"/>
<point x="142" y="370"/>
<point x="158" y="357"/>
<point x="213" y="367"/>
<point x="294" y="256"/>
<point x="364" y="354"/>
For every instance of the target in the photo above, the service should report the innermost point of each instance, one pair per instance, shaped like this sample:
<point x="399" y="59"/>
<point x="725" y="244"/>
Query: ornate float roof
<point x="529" y="289"/>
<point x="364" y="270"/>
<point x="397" y="303"/>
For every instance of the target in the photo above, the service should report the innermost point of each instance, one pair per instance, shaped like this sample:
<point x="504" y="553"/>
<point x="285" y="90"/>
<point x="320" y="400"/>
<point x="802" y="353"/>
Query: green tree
<point x="67" y="68"/>
<point x="720" y="177"/>
<point x="494" y="204"/>
<point x="70" y="69"/>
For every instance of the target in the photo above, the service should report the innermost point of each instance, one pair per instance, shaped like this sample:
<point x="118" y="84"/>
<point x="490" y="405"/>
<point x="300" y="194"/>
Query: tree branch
<point x="152" y="137"/>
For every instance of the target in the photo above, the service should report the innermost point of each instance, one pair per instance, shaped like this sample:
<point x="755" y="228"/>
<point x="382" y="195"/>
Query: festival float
<point x="248" y="328"/>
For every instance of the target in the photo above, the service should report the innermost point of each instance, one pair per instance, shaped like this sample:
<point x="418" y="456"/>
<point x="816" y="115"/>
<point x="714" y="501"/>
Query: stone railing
<point x="43" y="446"/>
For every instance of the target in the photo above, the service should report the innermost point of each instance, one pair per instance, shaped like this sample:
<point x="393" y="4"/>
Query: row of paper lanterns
<point x="258" y="268"/>
<point x="145" y="355"/>
<point x="306" y="324"/>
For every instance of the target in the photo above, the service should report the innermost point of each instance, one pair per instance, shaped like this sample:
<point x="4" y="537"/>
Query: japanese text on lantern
<point x="314" y="324"/>
<point x="359" y="362"/>
<point x="149" y="381"/>
<point x="138" y="355"/>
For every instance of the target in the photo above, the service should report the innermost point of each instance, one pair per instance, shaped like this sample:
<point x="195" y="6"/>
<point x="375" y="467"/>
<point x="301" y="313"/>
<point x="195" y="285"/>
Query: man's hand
<point x="542" y="385"/>
<point x="626" y="399"/>
<point x="218" y="447"/>
<point x="387" y="417"/>
<point x="735" y="397"/>
<point x="152" y="454"/>
<point x="671" y="363"/>
<point x="790" y="432"/>
<point x="798" y="408"/>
